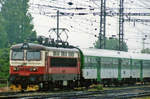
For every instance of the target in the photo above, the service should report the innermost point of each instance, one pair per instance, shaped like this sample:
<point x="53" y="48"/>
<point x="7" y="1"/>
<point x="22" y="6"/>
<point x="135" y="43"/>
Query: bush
<point x="4" y="63"/>
<point x="96" y="87"/>
<point x="99" y="87"/>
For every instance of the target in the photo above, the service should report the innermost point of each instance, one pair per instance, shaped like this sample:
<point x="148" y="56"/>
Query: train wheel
<point x="72" y="84"/>
<point x="47" y="86"/>
<point x="51" y="86"/>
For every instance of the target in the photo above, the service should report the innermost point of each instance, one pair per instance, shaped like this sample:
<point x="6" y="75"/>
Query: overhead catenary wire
<point x="85" y="4"/>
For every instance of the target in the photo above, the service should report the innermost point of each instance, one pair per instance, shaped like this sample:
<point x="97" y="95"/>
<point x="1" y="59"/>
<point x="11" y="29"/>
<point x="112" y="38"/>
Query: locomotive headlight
<point x="34" y="69"/>
<point x="15" y="68"/>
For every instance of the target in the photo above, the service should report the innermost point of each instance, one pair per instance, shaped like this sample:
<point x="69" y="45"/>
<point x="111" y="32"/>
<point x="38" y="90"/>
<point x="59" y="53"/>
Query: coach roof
<point x="114" y="54"/>
<point x="32" y="46"/>
<point x="62" y="49"/>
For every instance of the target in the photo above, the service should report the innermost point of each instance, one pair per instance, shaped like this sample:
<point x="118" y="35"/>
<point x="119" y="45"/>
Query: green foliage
<point x="4" y="63"/>
<point x="96" y="87"/>
<point x="112" y="44"/>
<point x="18" y="21"/>
<point x="3" y="85"/>
<point x="99" y="87"/>
<point x="3" y="34"/>
<point x="147" y="50"/>
<point x="15" y="27"/>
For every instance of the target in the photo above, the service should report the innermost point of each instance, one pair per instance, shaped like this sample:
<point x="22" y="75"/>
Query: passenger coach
<point x="115" y="67"/>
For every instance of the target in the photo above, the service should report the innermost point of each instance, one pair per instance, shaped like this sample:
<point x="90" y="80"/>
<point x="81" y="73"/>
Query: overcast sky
<point x="82" y="28"/>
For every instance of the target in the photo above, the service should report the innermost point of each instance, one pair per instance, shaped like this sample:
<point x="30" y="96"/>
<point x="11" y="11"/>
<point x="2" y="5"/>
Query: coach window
<point x="94" y="60"/>
<point x="63" y="62"/>
<point x="89" y="60"/>
<point x="56" y="53"/>
<point x="63" y="53"/>
<point x="85" y="59"/>
<point x="70" y="54"/>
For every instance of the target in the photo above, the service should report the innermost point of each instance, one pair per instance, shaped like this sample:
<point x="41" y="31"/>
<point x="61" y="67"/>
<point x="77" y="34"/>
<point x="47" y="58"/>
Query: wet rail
<point x="119" y="93"/>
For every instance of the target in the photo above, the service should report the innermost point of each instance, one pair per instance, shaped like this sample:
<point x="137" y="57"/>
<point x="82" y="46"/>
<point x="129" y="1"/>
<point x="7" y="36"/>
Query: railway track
<point x="119" y="93"/>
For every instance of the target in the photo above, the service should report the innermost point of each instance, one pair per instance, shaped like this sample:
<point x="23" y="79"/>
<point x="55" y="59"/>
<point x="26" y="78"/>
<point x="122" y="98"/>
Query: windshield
<point x="33" y="55"/>
<point x="17" y="55"/>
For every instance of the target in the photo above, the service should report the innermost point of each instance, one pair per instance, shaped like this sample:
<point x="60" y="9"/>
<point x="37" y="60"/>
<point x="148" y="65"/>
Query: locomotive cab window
<point x="33" y="55"/>
<point x="17" y="55"/>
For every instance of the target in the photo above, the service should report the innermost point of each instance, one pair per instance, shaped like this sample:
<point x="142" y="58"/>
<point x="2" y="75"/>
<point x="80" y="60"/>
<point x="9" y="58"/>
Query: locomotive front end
<point x="27" y="64"/>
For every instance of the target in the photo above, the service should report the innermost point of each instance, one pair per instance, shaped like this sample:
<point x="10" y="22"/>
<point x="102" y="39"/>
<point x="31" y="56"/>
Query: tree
<point x="15" y="27"/>
<point x="3" y="34"/>
<point x="4" y="63"/>
<point x="112" y="44"/>
<point x="147" y="50"/>
<point x="18" y="21"/>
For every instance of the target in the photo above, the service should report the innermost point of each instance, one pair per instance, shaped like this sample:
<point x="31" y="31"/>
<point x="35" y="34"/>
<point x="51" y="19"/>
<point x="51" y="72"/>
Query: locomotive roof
<point x="41" y="47"/>
<point x="62" y="49"/>
<point x="29" y="45"/>
<point x="114" y="54"/>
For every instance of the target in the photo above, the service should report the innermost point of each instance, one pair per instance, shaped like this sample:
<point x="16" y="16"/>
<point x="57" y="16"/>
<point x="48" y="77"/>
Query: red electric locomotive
<point x="34" y="67"/>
